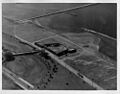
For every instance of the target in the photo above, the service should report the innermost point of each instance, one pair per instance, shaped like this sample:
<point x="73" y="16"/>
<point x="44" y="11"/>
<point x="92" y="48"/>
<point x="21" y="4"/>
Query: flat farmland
<point x="34" y="70"/>
<point x="7" y="27"/>
<point x="31" y="32"/>
<point x="101" y="72"/>
<point x="83" y="38"/>
<point x="65" y="43"/>
<point x="23" y="67"/>
<point x="44" y="76"/>
<point x="95" y="57"/>
<point x="47" y="79"/>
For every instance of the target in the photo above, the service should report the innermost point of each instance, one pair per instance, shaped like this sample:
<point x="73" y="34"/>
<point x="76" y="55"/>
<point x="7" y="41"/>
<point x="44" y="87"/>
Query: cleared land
<point x="44" y="81"/>
<point x="48" y="74"/>
<point x="95" y="67"/>
<point x="26" y="67"/>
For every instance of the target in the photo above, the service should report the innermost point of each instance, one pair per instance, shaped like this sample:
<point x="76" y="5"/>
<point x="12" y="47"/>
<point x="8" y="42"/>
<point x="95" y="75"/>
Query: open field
<point x="31" y="33"/>
<point x="94" y="58"/>
<point x="47" y="83"/>
<point x="91" y="17"/>
<point x="98" y="71"/>
<point x="33" y="65"/>
<point x="25" y="68"/>
<point x="92" y="65"/>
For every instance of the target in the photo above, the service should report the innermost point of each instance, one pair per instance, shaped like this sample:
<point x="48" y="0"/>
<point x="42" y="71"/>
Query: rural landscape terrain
<point x="59" y="46"/>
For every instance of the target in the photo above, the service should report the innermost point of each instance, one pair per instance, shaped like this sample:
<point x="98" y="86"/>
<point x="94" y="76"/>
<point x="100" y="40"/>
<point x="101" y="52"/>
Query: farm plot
<point x="63" y="46"/>
<point x="24" y="66"/>
<point x="101" y="72"/>
<point x="31" y="32"/>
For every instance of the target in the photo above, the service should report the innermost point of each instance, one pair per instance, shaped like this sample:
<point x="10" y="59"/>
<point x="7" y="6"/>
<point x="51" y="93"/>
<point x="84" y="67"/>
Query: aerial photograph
<point x="59" y="46"/>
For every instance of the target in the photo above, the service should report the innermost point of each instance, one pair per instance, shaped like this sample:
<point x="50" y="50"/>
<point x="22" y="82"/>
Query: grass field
<point x="34" y="70"/>
<point x="98" y="71"/>
<point x="48" y="74"/>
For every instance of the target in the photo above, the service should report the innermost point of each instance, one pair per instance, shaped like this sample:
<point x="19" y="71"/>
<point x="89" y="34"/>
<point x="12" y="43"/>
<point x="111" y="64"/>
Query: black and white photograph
<point x="59" y="46"/>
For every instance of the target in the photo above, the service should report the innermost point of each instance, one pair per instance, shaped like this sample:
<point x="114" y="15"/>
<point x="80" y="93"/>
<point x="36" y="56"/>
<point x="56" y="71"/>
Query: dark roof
<point x="52" y="44"/>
